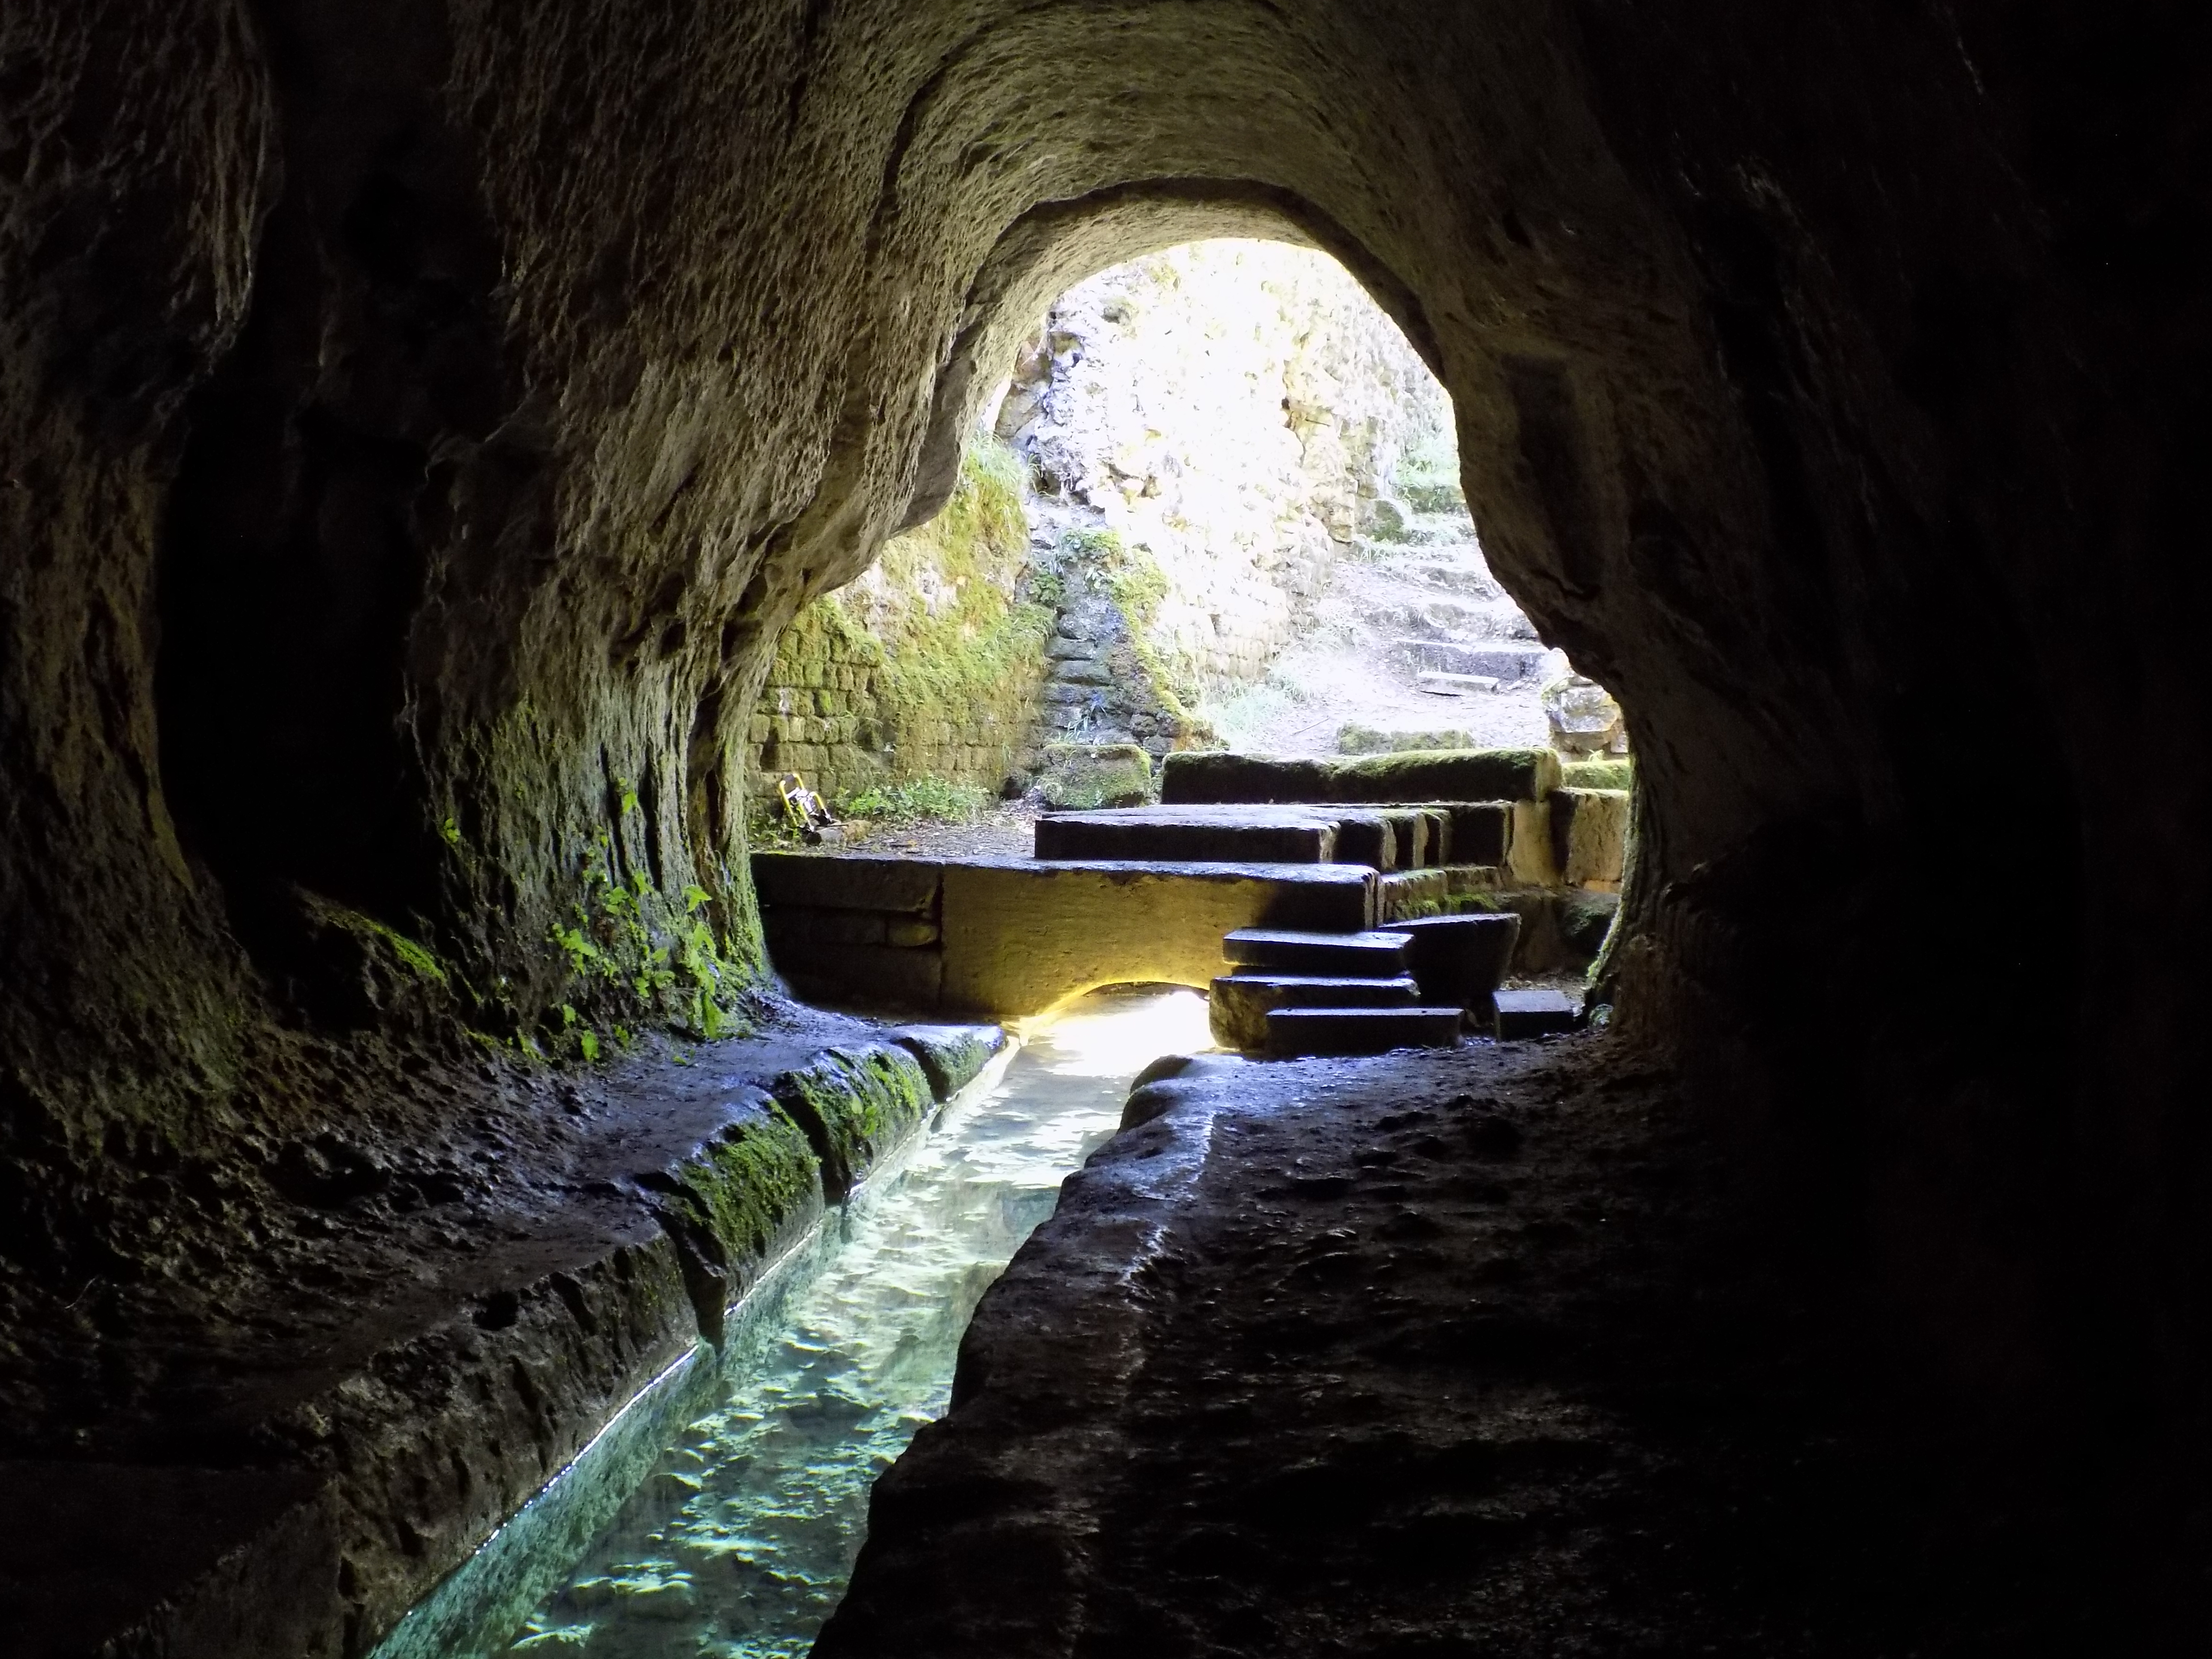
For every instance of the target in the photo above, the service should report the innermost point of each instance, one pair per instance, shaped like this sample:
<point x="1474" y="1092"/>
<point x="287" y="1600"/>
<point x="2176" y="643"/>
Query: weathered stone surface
<point x="1159" y="836"/>
<point x="1460" y="959"/>
<point x="1598" y="774"/>
<point x="1091" y="774"/>
<point x="855" y="1103"/>
<point x="1238" y="1004"/>
<point x="952" y="1056"/>
<point x="1292" y="1032"/>
<point x="1589" y="836"/>
<point x="1406" y="893"/>
<point x="794" y="929"/>
<point x="1021" y="938"/>
<point x="1452" y="775"/>
<point x="1481" y="831"/>
<point x="876" y="977"/>
<point x="1537" y="1013"/>
<point x="1293" y="950"/>
<point x="848" y="881"/>
<point x="1529" y="857"/>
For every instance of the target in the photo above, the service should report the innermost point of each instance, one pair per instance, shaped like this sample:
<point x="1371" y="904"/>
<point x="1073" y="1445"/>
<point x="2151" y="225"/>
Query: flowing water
<point x="739" y="1538"/>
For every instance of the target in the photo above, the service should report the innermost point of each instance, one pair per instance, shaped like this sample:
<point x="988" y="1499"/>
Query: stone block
<point x="1024" y="936"/>
<point x="1159" y="836"/>
<point x="863" y="975"/>
<point x="1529" y="855"/>
<point x="1368" y="954"/>
<point x="1409" y="833"/>
<point x="1589" y="836"/>
<point x="1080" y="776"/>
<point x="1460" y="959"/>
<point x="910" y="932"/>
<point x="1406" y="893"/>
<point x="1462" y="880"/>
<point x="1238" y="1004"/>
<point x="848" y="881"/>
<point x="1477" y="832"/>
<point x="1537" y="1013"/>
<point x="1366" y="838"/>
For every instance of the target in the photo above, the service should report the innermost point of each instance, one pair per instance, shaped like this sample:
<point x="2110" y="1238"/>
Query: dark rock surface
<point x="279" y="1463"/>
<point x="1464" y="1355"/>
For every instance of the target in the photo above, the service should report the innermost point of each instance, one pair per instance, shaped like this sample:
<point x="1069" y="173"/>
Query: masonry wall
<point x="927" y="666"/>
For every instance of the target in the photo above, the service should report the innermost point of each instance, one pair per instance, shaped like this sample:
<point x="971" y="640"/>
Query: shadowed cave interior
<point x="420" y="427"/>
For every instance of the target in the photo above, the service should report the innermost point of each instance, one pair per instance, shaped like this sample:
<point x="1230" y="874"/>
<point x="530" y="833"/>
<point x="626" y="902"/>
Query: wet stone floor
<point x="739" y="1542"/>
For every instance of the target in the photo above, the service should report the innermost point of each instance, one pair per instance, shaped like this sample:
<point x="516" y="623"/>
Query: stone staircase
<point x="1415" y="985"/>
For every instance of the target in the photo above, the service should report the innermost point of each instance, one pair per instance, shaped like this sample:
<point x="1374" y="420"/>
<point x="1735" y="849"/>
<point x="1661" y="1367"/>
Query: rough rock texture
<point x="420" y="421"/>
<point x="1452" y="1356"/>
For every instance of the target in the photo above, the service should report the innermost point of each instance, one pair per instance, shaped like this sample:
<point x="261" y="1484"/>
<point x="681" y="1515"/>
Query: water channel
<point x="721" y="1516"/>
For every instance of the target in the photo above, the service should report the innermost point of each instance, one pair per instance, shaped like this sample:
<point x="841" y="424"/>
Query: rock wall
<point x="929" y="664"/>
<point x="420" y="423"/>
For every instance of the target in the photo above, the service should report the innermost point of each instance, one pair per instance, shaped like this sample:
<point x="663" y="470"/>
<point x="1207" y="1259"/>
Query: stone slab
<point x="1238" y="1005"/>
<point x="1195" y="839"/>
<point x="1364" y="955"/>
<point x="848" y="881"/>
<point x="1471" y="774"/>
<point x="1292" y="1032"/>
<point x="1024" y="936"/>
<point x="1536" y="1012"/>
<point x="1410" y="893"/>
<point x="1437" y="683"/>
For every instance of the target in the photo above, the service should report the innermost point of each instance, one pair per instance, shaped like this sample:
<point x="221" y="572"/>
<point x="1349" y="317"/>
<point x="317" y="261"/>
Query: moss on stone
<point x="1599" y="774"/>
<point x="854" y="1105"/>
<point x="753" y="1184"/>
<point x="926" y="669"/>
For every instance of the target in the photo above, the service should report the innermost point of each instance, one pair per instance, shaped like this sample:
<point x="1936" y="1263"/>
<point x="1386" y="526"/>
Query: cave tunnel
<point x="421" y="424"/>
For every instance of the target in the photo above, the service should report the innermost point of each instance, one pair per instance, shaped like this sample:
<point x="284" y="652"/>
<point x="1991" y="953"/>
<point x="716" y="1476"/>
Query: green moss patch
<point x="854" y="1105"/>
<point x="1599" y="774"/>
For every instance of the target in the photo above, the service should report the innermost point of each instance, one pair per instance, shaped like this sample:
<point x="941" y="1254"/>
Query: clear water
<point x="739" y="1541"/>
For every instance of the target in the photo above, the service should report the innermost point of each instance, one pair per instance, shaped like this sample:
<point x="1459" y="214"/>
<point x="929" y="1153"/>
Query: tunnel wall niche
<point x="420" y="425"/>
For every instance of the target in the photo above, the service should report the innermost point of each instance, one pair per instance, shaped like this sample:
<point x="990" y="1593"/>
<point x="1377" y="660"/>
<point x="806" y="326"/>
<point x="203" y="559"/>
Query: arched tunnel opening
<point x="426" y="437"/>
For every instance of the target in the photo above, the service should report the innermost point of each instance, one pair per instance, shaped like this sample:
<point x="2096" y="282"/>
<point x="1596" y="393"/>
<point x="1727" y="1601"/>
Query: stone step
<point x="1240" y="1003"/>
<point x="1437" y="683"/>
<point x="1509" y="665"/>
<point x="1460" y="959"/>
<point x="1292" y="1032"/>
<point x="1372" y="954"/>
<point x="1194" y="777"/>
<point x="1537" y="1013"/>
<point x="1194" y="837"/>
<point x="1241" y="831"/>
